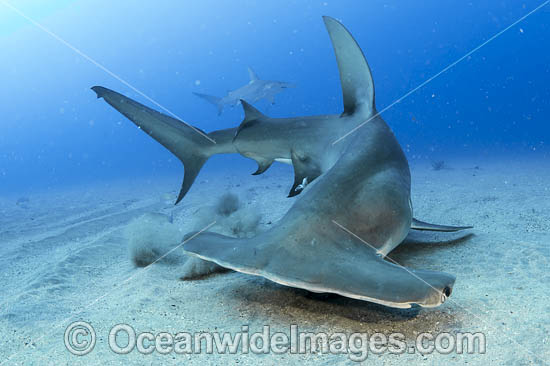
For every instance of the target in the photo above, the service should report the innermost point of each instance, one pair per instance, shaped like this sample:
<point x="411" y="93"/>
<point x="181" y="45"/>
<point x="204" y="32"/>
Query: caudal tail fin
<point x="213" y="100"/>
<point x="191" y="145"/>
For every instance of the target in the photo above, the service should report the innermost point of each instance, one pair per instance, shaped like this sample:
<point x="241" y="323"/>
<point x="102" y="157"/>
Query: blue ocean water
<point x="492" y="105"/>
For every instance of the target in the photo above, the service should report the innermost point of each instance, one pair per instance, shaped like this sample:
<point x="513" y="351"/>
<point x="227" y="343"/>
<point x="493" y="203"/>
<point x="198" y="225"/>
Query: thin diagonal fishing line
<point x="94" y="62"/>
<point x="450" y="66"/>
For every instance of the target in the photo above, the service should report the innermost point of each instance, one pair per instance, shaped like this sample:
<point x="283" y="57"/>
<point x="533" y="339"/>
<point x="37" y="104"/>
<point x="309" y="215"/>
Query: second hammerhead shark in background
<point x="255" y="90"/>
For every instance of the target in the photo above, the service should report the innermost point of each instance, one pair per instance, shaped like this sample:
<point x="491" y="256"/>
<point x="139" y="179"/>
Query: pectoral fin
<point x="305" y="171"/>
<point x="420" y="225"/>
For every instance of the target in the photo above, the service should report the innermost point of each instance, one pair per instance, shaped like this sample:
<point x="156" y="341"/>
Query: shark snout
<point x="438" y="287"/>
<point x="442" y="294"/>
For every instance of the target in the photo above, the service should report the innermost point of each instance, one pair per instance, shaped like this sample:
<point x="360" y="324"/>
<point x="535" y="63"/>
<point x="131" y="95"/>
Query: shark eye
<point x="445" y="294"/>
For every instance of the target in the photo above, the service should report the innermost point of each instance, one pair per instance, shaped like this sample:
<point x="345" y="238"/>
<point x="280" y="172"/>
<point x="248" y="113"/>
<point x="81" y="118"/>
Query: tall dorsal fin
<point x="355" y="75"/>
<point x="252" y="75"/>
<point x="251" y="116"/>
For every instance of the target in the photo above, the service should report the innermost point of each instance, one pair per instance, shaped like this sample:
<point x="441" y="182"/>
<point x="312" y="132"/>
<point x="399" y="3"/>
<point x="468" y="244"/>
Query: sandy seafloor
<point x="63" y="257"/>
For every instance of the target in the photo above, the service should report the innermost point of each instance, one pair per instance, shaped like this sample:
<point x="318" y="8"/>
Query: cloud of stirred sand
<point x="152" y="235"/>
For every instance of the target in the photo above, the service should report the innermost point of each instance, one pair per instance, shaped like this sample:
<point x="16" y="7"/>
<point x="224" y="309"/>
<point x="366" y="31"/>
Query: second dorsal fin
<point x="251" y="116"/>
<point x="250" y="113"/>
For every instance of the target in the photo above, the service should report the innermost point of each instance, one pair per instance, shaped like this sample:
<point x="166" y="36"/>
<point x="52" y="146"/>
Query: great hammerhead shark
<point x="252" y="92"/>
<point x="354" y="205"/>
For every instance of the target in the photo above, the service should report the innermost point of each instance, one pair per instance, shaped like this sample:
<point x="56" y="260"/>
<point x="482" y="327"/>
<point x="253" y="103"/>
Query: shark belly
<point x="284" y="160"/>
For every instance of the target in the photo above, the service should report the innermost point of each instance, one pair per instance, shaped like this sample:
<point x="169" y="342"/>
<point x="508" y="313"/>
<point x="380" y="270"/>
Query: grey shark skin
<point x="254" y="91"/>
<point x="354" y="206"/>
<point x="421" y="225"/>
